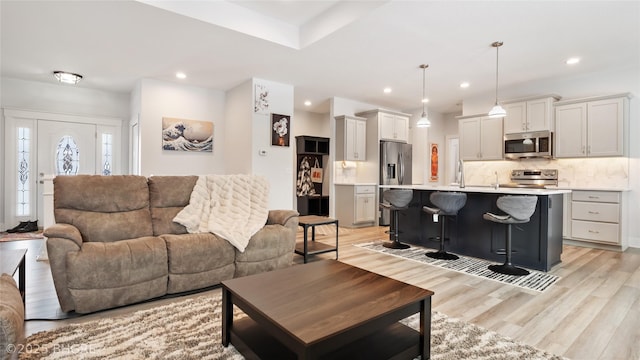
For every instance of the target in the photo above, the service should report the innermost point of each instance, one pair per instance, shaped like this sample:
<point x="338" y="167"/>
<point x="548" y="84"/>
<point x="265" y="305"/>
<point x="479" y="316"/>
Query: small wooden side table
<point x="307" y="248"/>
<point x="12" y="261"/>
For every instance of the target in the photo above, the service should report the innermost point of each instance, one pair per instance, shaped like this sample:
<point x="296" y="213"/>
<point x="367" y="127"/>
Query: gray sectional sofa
<point x="114" y="242"/>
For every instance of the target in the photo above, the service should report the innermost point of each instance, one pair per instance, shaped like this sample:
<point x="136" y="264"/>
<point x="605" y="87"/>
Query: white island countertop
<point x="480" y="189"/>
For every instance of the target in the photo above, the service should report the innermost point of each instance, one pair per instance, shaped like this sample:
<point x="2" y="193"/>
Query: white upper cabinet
<point x="394" y="127"/>
<point x="592" y="128"/>
<point x="351" y="137"/>
<point x="571" y="130"/>
<point x="529" y="115"/>
<point x="481" y="138"/>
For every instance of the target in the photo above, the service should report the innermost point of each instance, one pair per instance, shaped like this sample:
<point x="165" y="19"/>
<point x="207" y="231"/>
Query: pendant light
<point x="424" y="121"/>
<point x="497" y="110"/>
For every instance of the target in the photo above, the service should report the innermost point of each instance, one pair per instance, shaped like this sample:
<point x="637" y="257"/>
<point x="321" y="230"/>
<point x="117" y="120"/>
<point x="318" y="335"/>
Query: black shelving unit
<point x="312" y="145"/>
<point x="314" y="149"/>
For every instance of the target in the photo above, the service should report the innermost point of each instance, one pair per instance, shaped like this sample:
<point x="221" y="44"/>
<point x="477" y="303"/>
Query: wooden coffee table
<point x="12" y="261"/>
<point x="325" y="309"/>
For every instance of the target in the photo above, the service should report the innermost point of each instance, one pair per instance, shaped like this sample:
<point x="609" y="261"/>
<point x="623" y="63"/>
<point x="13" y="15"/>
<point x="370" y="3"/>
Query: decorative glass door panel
<point x="65" y="148"/>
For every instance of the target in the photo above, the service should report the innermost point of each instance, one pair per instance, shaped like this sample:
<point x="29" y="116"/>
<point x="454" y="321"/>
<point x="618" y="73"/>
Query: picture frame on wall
<point x="261" y="99"/>
<point x="187" y="135"/>
<point x="280" y="129"/>
<point x="434" y="162"/>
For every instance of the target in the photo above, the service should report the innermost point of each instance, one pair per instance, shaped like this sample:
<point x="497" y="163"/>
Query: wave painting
<point x="187" y="135"/>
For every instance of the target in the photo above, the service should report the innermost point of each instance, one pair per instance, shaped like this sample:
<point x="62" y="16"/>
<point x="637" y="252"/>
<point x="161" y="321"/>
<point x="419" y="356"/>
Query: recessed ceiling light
<point x="307" y="103"/>
<point x="67" y="77"/>
<point x="387" y="90"/>
<point x="425" y="100"/>
<point x="464" y="84"/>
<point x="572" y="61"/>
<point x="181" y="75"/>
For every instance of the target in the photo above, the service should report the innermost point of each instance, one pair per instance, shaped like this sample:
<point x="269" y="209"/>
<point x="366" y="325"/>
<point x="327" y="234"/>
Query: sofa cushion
<point x="11" y="316"/>
<point x="167" y="196"/>
<point x="269" y="249"/>
<point x="198" y="260"/>
<point x="116" y="264"/>
<point x="104" y="208"/>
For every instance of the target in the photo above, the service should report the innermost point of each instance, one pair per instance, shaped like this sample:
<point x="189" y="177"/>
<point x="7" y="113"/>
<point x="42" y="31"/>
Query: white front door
<point x="64" y="148"/>
<point x="40" y="145"/>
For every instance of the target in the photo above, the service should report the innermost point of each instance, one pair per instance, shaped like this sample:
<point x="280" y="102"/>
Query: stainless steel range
<point x="525" y="178"/>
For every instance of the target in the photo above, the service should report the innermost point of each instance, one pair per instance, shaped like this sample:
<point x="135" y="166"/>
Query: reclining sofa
<point x="114" y="242"/>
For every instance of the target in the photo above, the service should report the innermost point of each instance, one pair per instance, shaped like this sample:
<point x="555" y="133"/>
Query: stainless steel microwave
<point x="537" y="144"/>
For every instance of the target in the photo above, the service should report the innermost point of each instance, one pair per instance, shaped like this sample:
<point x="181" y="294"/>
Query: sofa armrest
<point x="64" y="231"/>
<point x="281" y="217"/>
<point x="62" y="239"/>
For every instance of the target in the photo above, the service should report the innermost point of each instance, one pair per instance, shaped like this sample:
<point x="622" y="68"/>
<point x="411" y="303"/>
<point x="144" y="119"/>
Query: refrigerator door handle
<point x="401" y="170"/>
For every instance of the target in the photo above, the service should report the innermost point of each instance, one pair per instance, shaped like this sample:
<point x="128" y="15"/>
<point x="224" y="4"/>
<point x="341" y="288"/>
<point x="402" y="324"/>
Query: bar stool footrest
<point x="395" y="245"/>
<point x="508" y="269"/>
<point x="442" y="255"/>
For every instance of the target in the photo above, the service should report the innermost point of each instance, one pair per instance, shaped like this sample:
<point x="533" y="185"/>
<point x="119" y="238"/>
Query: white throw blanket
<point x="233" y="207"/>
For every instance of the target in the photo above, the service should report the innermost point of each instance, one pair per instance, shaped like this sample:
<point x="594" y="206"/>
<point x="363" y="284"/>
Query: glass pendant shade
<point x="497" y="111"/>
<point x="424" y="121"/>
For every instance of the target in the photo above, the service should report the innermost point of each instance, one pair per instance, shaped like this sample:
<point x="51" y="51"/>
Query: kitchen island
<point x="536" y="244"/>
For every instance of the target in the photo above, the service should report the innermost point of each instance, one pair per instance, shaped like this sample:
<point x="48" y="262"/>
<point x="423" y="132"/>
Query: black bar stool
<point x="518" y="209"/>
<point x="398" y="200"/>
<point x="448" y="204"/>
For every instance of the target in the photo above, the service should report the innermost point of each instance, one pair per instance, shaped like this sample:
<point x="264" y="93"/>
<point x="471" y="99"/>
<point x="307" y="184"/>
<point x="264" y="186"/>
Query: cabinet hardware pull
<point x="594" y="232"/>
<point x="594" y="197"/>
<point x="594" y="212"/>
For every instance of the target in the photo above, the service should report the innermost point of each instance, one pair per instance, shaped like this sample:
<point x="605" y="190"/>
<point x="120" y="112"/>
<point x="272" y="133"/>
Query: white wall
<point x="276" y="165"/>
<point x="63" y="99"/>
<point x="311" y="124"/>
<point x="238" y="111"/>
<point x="165" y="99"/>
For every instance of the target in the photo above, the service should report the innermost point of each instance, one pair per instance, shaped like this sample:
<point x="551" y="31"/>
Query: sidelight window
<point x="107" y="153"/>
<point x="24" y="163"/>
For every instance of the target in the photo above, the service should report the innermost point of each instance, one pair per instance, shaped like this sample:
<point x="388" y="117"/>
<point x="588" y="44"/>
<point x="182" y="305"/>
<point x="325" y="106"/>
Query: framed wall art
<point x="434" y="162"/>
<point x="280" y="129"/>
<point x="187" y="135"/>
<point x="261" y="99"/>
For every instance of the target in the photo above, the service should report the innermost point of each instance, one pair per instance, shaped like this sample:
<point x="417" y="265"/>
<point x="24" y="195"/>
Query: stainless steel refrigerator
<point x="395" y="169"/>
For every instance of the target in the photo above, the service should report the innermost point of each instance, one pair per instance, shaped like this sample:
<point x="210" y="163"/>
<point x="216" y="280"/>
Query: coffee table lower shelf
<point x="397" y="341"/>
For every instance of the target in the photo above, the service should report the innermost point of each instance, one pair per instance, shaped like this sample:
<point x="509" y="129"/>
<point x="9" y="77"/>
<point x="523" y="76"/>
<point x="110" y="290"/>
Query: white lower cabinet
<point x="595" y="217"/>
<point x="356" y="205"/>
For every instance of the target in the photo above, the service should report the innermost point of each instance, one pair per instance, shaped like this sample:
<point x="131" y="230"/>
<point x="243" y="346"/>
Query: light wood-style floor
<point x="593" y="312"/>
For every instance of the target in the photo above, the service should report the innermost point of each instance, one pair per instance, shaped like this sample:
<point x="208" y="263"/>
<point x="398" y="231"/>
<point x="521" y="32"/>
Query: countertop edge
<point x="356" y="184"/>
<point x="481" y="189"/>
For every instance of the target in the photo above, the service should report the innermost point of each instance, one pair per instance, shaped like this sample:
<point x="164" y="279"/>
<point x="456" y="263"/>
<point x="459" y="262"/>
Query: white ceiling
<point x="350" y="49"/>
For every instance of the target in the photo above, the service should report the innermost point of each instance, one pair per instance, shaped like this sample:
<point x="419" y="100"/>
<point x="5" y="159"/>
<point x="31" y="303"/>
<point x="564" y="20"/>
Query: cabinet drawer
<point x="596" y="196"/>
<point x="365" y="189"/>
<point x="593" y="211"/>
<point x="596" y="231"/>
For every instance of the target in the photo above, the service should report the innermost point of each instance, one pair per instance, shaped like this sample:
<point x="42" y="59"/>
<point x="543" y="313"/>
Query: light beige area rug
<point x="191" y="329"/>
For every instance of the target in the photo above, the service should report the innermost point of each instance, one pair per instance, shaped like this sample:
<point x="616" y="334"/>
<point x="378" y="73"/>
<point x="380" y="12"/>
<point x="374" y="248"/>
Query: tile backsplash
<point x="579" y="173"/>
